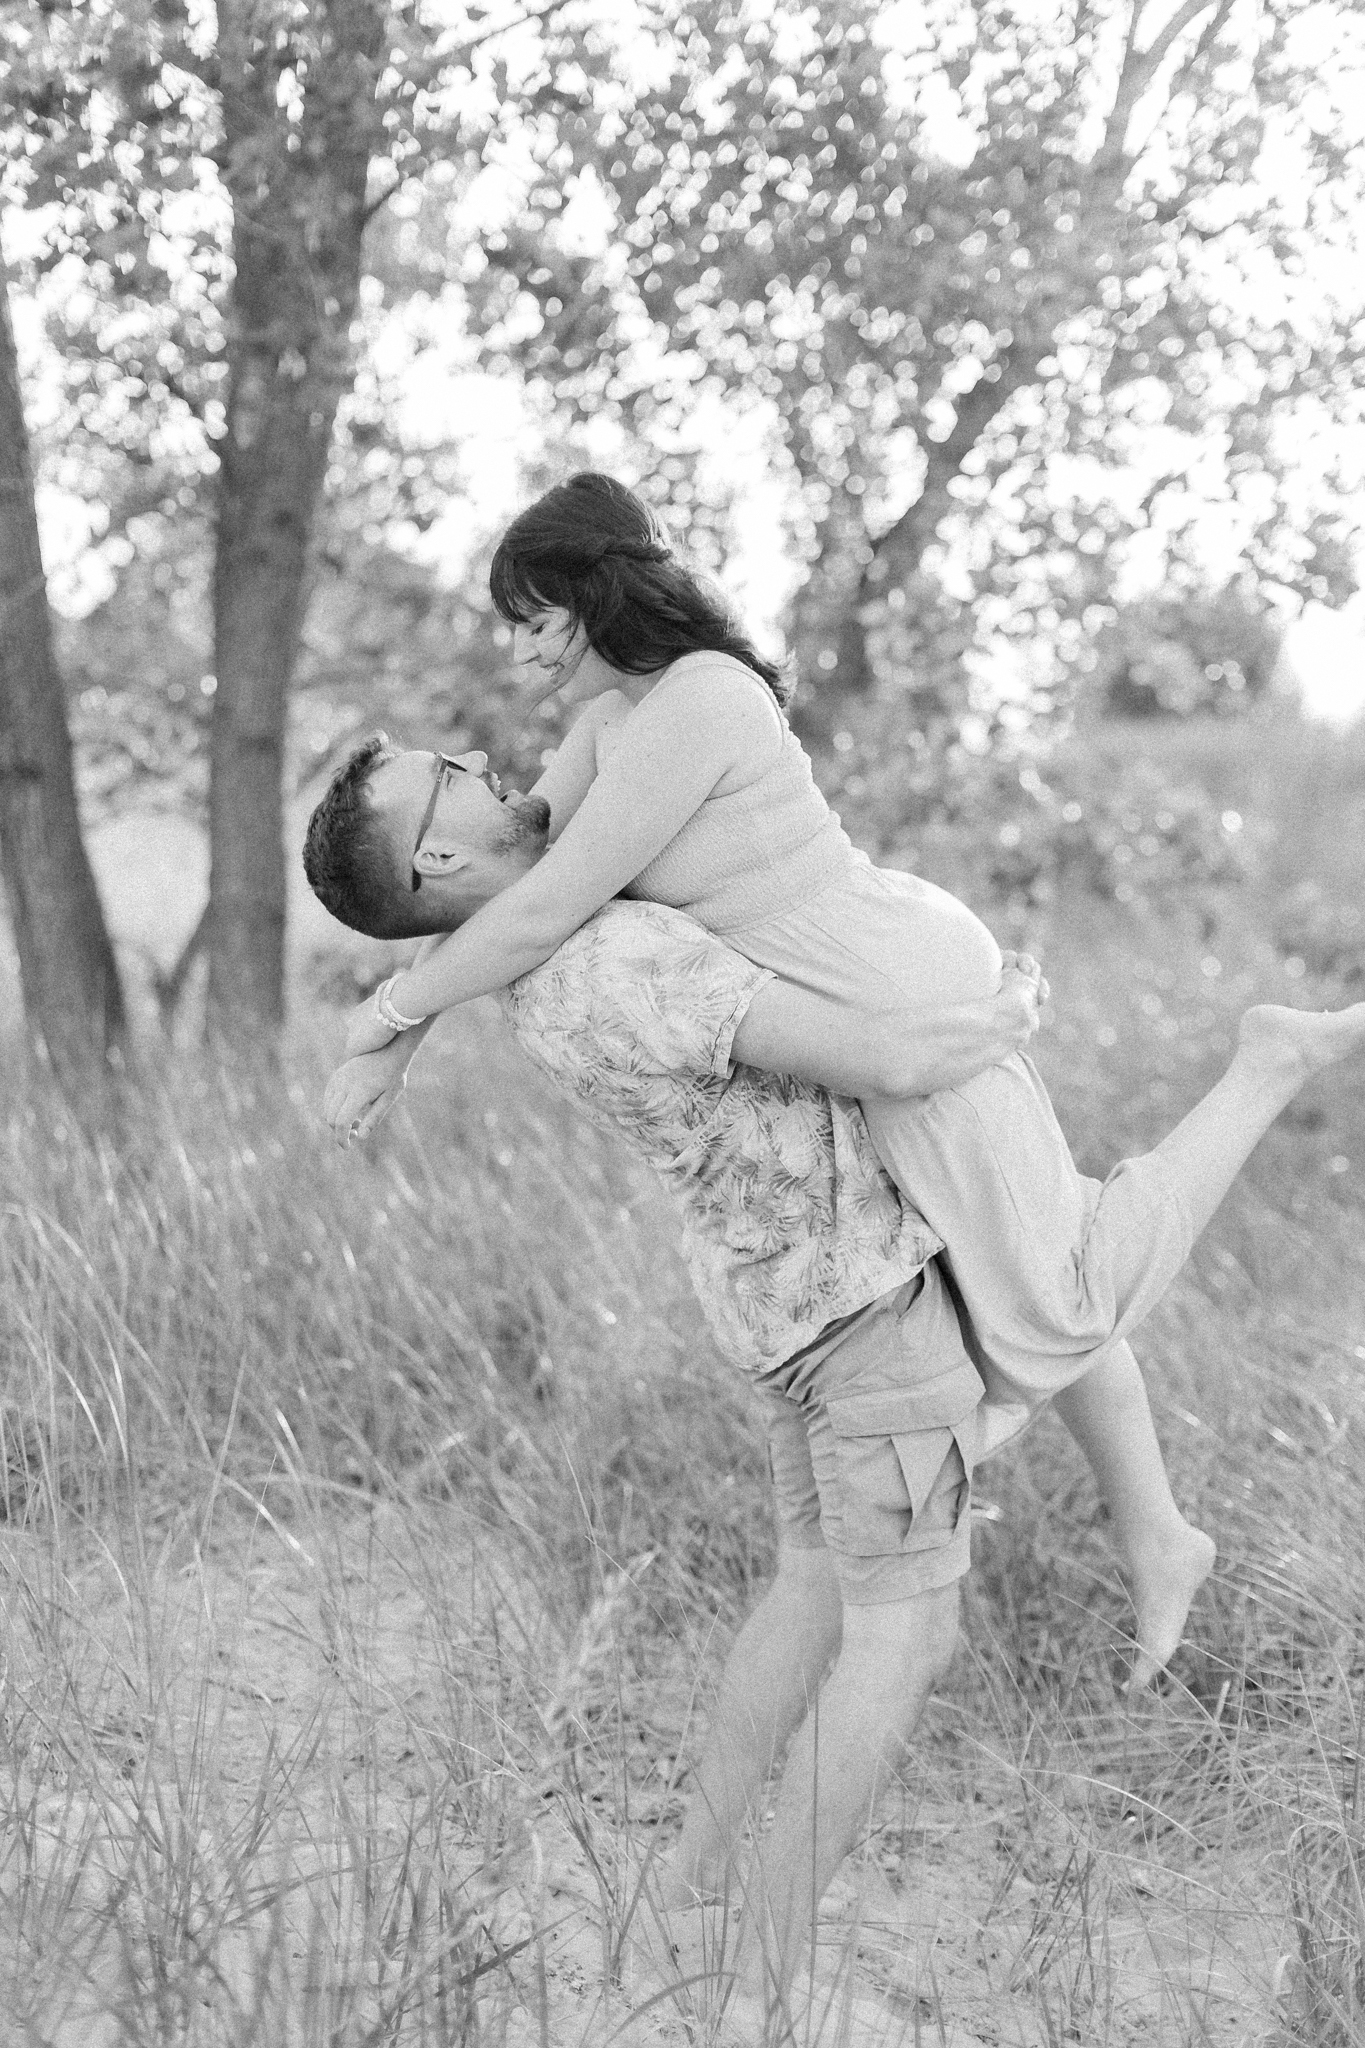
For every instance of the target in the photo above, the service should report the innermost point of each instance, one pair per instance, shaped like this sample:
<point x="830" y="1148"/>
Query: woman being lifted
<point x="681" y="782"/>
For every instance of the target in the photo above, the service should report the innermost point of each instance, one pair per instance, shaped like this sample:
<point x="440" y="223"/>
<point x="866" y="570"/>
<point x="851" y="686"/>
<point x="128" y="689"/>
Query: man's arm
<point x="786" y="1030"/>
<point x="647" y="977"/>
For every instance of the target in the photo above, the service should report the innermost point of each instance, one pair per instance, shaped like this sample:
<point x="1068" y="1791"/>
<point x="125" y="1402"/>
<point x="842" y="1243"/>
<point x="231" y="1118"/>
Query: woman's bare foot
<point x="1297" y="1043"/>
<point x="1162" y="1584"/>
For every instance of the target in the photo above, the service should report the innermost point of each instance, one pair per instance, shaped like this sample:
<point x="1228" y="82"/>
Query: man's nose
<point x="477" y="764"/>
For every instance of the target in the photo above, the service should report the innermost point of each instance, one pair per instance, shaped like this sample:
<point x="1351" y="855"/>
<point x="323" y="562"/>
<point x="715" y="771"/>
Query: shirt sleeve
<point x="641" y="987"/>
<point x="673" y="987"/>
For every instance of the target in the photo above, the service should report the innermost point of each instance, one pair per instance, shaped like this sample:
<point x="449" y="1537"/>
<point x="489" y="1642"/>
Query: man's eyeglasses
<point x="446" y="765"/>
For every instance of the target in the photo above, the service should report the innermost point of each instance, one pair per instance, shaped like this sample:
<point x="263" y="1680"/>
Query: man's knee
<point x="907" y="1642"/>
<point x="810" y="1572"/>
<point x="941" y="1631"/>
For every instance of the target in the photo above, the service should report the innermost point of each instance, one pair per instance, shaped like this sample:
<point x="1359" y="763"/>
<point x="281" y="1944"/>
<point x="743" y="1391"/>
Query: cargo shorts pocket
<point x="903" y="1462"/>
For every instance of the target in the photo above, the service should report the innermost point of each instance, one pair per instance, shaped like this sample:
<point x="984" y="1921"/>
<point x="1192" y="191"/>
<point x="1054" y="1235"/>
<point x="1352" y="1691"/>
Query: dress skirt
<point x="1051" y="1267"/>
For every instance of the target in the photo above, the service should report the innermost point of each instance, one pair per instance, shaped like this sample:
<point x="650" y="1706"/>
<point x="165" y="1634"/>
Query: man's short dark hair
<point x="349" y="857"/>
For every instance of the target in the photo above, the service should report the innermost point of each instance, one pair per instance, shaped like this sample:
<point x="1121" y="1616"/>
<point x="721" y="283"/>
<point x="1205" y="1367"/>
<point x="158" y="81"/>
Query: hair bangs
<point x="595" y="549"/>
<point x="516" y="596"/>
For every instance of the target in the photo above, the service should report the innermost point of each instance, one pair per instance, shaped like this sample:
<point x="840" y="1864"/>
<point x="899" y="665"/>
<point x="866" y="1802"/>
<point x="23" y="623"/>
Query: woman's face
<point x="547" y="649"/>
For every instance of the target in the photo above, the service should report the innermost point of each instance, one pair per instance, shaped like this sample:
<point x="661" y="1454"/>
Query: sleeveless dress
<point x="1052" y="1267"/>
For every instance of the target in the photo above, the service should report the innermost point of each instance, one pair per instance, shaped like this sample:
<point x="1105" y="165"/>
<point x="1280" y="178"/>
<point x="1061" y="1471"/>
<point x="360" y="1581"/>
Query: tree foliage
<point x="1005" y="295"/>
<point x="1117" y="265"/>
<point x="211" y="178"/>
<point x="1181" y="652"/>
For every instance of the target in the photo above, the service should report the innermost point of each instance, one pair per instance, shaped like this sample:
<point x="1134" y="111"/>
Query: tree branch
<point x="1136" y="74"/>
<point x="170" y="986"/>
<point x="418" y="165"/>
<point x="176" y="389"/>
<point x="1207" y="34"/>
<point x="1162" y="43"/>
<point x="975" y="410"/>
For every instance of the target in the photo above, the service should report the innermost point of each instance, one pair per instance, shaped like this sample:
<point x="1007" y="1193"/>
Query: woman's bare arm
<point x="669" y="756"/>
<point x="573" y="770"/>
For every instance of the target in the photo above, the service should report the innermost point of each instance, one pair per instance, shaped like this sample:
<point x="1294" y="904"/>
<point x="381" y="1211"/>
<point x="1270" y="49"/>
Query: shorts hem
<point x="902" y="1577"/>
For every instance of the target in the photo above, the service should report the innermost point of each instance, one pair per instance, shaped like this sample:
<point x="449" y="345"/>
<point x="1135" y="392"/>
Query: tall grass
<point x="227" y="1348"/>
<point x="373" y="1521"/>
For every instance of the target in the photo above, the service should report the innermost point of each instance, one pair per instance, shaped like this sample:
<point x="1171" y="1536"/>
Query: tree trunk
<point x="898" y="552"/>
<point x="73" y="1002"/>
<point x="298" y="194"/>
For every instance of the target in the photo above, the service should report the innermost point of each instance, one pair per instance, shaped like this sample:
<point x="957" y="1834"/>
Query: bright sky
<point x="1326" y="650"/>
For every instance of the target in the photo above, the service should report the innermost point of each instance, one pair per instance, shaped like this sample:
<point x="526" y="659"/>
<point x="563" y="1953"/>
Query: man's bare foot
<point x="1162" y="1584"/>
<point x="752" y="2020"/>
<point x="818" y="2012"/>
<point x="687" y="1953"/>
<point x="1300" y="1042"/>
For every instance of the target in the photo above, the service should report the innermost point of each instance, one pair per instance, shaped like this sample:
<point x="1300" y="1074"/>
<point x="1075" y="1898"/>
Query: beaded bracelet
<point x="383" y="1003"/>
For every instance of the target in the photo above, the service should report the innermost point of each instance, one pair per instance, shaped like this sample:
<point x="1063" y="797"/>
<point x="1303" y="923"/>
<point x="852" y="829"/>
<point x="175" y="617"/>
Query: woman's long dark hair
<point x="594" y="548"/>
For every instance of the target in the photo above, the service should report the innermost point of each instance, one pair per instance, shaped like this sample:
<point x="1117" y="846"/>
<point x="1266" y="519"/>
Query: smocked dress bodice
<point x="756" y="852"/>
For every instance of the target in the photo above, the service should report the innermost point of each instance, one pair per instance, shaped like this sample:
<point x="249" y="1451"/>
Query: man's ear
<point x="441" y="857"/>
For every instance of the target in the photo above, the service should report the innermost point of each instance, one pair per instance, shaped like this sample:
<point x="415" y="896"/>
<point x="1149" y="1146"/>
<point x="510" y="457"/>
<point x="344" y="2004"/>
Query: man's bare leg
<point x="1165" y="1559"/>
<point x="770" y="1680"/>
<point x="893" y="1655"/>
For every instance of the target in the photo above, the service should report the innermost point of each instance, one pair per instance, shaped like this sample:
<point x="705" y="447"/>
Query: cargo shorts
<point x="871" y="1444"/>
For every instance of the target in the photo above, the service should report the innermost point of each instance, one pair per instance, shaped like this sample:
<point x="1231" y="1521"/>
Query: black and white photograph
<point x="682" y="1014"/>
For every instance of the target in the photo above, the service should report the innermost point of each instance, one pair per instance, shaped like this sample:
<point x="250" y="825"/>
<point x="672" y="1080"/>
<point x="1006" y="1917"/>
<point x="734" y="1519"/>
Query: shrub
<point x="1016" y="827"/>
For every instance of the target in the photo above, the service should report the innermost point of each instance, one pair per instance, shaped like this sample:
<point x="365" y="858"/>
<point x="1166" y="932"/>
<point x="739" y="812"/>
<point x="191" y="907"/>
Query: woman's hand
<point x="361" y="1093"/>
<point x="367" y="1031"/>
<point x="363" y="1090"/>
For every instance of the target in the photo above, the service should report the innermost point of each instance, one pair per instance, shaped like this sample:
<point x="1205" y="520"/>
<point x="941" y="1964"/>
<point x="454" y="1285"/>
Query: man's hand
<point x="363" y="1090"/>
<point x="899" y="1051"/>
<point x="1020" y="998"/>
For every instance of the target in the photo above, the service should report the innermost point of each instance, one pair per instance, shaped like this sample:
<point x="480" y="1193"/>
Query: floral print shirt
<point x="789" y="1220"/>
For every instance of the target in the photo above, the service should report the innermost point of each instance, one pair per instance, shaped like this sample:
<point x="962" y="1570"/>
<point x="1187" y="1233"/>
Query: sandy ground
<point x="270" y="1747"/>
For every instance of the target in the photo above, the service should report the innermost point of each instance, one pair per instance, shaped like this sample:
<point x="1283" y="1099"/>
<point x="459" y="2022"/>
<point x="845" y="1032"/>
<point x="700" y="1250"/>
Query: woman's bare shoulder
<point x="713" y="697"/>
<point x="712" y="661"/>
<point x="712" y="685"/>
<point x="607" y="709"/>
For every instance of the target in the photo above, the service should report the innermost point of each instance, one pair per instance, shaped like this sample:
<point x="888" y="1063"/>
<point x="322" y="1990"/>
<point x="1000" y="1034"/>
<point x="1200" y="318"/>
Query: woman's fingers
<point x="345" y="1119"/>
<point x="359" y="1093"/>
<point x="377" y="1111"/>
<point x="349" y="1094"/>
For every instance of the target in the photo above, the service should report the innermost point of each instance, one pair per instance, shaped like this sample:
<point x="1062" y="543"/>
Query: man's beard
<point x="526" y="823"/>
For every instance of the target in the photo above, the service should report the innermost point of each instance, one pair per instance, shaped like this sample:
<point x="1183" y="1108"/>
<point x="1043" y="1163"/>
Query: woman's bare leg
<point x="1053" y="1268"/>
<point x="1106" y="1410"/>
<point x="1278" y="1050"/>
<point x="1165" y="1559"/>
